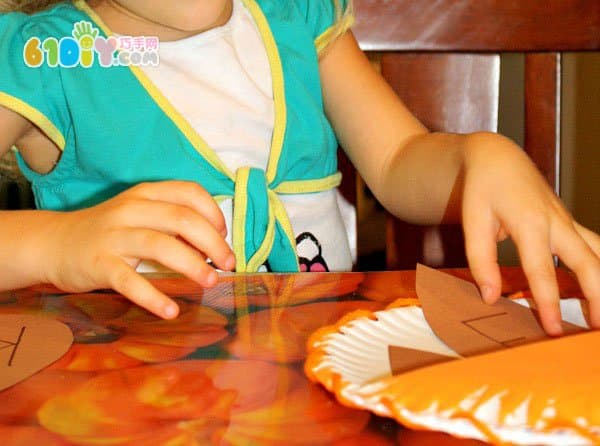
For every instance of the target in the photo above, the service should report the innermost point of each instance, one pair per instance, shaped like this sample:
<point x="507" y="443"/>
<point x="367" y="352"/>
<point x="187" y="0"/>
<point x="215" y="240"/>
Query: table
<point x="227" y="371"/>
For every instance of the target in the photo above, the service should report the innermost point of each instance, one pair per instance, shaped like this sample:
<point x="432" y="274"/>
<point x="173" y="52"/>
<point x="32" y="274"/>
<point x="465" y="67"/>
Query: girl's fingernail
<point x="487" y="293"/>
<point x="170" y="311"/>
<point x="556" y="328"/>
<point x="230" y="263"/>
<point x="211" y="278"/>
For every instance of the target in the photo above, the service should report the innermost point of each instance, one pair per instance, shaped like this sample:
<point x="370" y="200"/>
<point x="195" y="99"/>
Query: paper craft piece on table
<point x="28" y="344"/>
<point x="404" y="359"/>
<point x="459" y="317"/>
<point x="463" y="321"/>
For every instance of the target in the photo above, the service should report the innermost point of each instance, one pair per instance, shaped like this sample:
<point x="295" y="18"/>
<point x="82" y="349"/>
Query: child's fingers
<point x="182" y="221"/>
<point x="184" y="193"/>
<point x="481" y="249"/>
<point x="591" y="238"/>
<point x="170" y="252"/>
<point x="124" y="280"/>
<point x="579" y="256"/>
<point x="533" y="243"/>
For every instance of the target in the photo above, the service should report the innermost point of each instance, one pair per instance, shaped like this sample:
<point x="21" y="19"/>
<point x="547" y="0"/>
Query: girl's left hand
<point x="504" y="195"/>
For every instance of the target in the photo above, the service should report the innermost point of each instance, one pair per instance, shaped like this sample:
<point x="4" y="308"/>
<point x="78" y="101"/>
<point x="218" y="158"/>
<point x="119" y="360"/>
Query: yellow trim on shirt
<point x="262" y="253"/>
<point x="240" y="204"/>
<point x="182" y="124"/>
<point x="35" y="116"/>
<point x="278" y="88"/>
<point x="220" y="198"/>
<point x="299" y="186"/>
<point x="326" y="38"/>
<point x="284" y="220"/>
<point x="309" y="186"/>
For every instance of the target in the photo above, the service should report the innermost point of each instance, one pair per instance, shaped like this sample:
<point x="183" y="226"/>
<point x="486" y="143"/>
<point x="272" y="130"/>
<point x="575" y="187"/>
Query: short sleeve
<point x="36" y="93"/>
<point x="327" y="20"/>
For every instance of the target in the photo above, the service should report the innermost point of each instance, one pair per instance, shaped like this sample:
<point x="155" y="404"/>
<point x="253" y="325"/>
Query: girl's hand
<point x="482" y="179"/>
<point x="175" y="223"/>
<point x="505" y="196"/>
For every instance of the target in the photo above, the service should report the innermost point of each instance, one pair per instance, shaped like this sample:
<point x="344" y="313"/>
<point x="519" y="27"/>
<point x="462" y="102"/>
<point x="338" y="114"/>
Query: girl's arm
<point x="17" y="248"/>
<point x="174" y="223"/>
<point x="375" y="129"/>
<point x="483" y="180"/>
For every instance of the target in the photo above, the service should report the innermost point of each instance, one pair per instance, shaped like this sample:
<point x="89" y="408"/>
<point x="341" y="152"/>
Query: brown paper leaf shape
<point x="28" y="344"/>
<point x="464" y="322"/>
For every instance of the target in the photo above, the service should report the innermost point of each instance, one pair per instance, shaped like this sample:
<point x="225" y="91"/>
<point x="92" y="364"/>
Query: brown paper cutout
<point x="404" y="359"/>
<point x="459" y="317"/>
<point x="28" y="344"/>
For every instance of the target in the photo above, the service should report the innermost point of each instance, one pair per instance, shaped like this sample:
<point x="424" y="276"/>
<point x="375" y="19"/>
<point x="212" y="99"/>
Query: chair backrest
<point x="443" y="58"/>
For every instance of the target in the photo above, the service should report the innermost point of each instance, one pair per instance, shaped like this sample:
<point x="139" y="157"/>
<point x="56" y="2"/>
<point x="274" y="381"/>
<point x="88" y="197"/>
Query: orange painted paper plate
<point x="543" y="393"/>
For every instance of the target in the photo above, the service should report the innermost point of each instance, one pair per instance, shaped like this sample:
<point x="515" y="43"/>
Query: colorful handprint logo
<point x="86" y="45"/>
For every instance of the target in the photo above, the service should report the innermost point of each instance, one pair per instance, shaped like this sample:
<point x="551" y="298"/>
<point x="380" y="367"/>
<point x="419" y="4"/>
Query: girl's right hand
<point x="175" y="223"/>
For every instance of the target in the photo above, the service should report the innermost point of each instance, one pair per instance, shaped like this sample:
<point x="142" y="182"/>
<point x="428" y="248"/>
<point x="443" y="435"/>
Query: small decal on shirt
<point x="310" y="252"/>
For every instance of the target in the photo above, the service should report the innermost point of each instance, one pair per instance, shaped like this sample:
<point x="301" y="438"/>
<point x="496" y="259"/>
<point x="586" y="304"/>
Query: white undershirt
<point x="220" y="82"/>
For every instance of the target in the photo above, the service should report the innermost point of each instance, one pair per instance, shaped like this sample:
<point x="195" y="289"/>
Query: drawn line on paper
<point x="506" y="343"/>
<point x="16" y="344"/>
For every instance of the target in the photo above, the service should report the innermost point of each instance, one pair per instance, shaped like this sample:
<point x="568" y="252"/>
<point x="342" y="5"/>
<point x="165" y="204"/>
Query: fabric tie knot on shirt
<point x="260" y="224"/>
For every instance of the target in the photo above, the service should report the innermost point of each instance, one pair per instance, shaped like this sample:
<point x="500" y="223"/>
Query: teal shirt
<point x="115" y="129"/>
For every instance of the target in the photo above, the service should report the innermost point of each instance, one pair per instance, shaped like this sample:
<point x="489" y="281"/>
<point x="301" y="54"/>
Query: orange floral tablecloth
<point x="228" y="371"/>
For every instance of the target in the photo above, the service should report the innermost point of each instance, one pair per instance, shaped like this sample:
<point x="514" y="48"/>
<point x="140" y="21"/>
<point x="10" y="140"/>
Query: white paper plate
<point x="358" y="353"/>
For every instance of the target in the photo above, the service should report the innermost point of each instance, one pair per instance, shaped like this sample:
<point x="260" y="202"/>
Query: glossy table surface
<point x="227" y="371"/>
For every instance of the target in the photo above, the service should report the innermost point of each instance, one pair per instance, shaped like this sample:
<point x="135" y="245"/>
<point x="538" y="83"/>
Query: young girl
<point x="229" y="139"/>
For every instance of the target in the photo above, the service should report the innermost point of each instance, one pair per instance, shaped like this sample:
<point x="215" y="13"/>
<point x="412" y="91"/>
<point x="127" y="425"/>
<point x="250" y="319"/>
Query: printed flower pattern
<point x="200" y="402"/>
<point x="280" y="334"/>
<point x="228" y="371"/>
<point x="113" y="334"/>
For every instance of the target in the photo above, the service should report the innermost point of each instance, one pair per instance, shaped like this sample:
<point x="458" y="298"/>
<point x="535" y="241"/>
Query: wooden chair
<point x="443" y="58"/>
